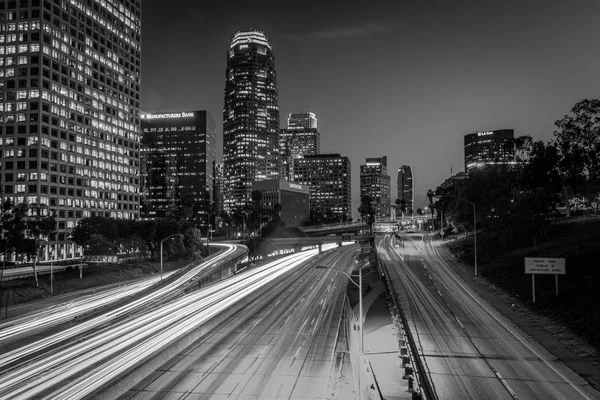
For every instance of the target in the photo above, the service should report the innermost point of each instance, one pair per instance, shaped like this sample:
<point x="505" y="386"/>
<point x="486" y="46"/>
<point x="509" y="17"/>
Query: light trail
<point x="14" y="355"/>
<point x="83" y="367"/>
<point x="57" y="314"/>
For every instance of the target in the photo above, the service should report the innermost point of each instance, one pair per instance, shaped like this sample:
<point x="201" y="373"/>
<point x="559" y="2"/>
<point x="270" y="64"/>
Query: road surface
<point x="470" y="350"/>
<point x="278" y="346"/>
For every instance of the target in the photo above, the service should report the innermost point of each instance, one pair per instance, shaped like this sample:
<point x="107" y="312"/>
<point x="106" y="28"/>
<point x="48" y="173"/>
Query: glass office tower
<point x="300" y="138"/>
<point x="69" y="109"/>
<point x="178" y="157"/>
<point x="375" y="183"/>
<point x="250" y="118"/>
<point x="406" y="188"/>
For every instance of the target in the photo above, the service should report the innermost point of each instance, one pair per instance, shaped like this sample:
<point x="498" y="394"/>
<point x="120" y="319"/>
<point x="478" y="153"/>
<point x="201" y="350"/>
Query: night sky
<point x="402" y="79"/>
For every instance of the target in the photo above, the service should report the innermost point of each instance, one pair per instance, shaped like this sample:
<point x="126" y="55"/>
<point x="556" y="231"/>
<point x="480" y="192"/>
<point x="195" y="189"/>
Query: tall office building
<point x="69" y="109"/>
<point x="178" y="154"/>
<point x="329" y="179"/>
<point x="250" y="118"/>
<point x="218" y="188"/>
<point x="489" y="148"/>
<point x="302" y="120"/>
<point x="300" y="138"/>
<point x="406" y="188"/>
<point x="375" y="183"/>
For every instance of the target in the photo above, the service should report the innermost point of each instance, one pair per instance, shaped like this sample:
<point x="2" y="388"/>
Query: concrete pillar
<point x="320" y="247"/>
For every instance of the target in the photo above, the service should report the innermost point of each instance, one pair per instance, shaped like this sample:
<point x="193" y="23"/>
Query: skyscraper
<point x="69" y="109"/>
<point x="329" y="179"/>
<point x="250" y="118"/>
<point x="375" y="183"/>
<point x="302" y="120"/>
<point x="178" y="151"/>
<point x="300" y="138"/>
<point x="489" y="148"/>
<point x="406" y="187"/>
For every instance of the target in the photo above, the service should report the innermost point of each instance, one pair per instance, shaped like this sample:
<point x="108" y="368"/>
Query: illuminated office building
<point x="302" y="120"/>
<point x="293" y="198"/>
<point x="178" y="151"/>
<point x="328" y="177"/>
<point x="489" y="148"/>
<point x="218" y="188"/>
<point x="300" y="138"/>
<point x="69" y="109"/>
<point x="406" y="188"/>
<point x="375" y="183"/>
<point x="250" y="118"/>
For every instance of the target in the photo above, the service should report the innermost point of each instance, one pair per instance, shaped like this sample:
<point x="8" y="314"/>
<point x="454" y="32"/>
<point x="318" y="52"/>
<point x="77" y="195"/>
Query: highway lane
<point x="169" y="289"/>
<point x="469" y="349"/>
<point x="280" y="345"/>
<point x="77" y="369"/>
<point x="53" y="315"/>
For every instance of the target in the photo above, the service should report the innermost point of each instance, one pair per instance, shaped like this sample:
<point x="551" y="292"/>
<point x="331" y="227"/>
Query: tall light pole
<point x="161" y="251"/>
<point x="360" y="311"/>
<point x="474" y="226"/>
<point x="208" y="229"/>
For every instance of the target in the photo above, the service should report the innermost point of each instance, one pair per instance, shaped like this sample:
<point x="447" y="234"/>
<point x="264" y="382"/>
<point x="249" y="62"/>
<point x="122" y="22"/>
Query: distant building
<point x="329" y="179"/>
<point x="406" y="188"/>
<point x="250" y="118"/>
<point x="489" y="148"/>
<point x="300" y="138"/>
<point x="178" y="151"/>
<point x="293" y="198"/>
<point x="454" y="179"/>
<point x="375" y="182"/>
<point x="302" y="120"/>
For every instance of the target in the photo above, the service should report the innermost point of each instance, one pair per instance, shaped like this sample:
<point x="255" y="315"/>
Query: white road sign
<point x="545" y="266"/>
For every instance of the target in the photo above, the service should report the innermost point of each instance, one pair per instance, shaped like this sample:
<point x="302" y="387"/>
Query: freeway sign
<point x="544" y="266"/>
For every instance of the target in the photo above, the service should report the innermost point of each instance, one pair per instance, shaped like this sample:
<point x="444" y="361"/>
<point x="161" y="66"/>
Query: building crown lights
<point x="252" y="36"/>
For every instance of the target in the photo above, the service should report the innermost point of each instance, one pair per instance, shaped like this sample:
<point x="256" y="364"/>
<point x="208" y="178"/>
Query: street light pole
<point x="360" y="312"/>
<point x="474" y="226"/>
<point x="161" y="251"/>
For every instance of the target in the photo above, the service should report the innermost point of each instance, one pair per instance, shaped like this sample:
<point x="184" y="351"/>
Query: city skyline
<point x="405" y="80"/>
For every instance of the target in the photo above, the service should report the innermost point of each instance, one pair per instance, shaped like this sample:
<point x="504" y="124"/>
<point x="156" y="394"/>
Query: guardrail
<point x="424" y="379"/>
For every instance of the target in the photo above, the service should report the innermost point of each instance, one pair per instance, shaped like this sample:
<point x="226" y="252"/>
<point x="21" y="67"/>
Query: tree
<point x="86" y="227"/>
<point x="577" y="141"/>
<point x="98" y="245"/>
<point x="367" y="210"/>
<point x="40" y="224"/>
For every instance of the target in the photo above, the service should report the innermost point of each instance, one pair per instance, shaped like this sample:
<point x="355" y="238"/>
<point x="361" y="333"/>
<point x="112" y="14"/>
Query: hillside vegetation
<point x="578" y="241"/>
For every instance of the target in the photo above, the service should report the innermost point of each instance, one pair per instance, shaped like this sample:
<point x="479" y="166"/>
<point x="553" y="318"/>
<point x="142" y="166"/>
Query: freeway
<point x="279" y="345"/>
<point x="83" y="359"/>
<point x="469" y="349"/>
<point x="52" y="315"/>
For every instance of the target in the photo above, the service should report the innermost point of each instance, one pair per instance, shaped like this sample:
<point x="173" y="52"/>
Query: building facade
<point x="300" y="138"/>
<point x="489" y="148"/>
<point x="293" y="198"/>
<point x="178" y="152"/>
<point x="218" y="188"/>
<point x="250" y="118"/>
<point x="328" y="177"/>
<point x="69" y="110"/>
<point x="406" y="188"/>
<point x="375" y="183"/>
